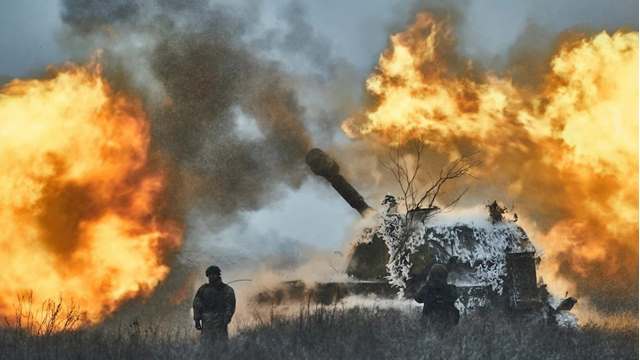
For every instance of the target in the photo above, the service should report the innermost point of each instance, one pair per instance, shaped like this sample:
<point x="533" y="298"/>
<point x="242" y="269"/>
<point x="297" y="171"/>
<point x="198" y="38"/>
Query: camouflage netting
<point x="468" y="240"/>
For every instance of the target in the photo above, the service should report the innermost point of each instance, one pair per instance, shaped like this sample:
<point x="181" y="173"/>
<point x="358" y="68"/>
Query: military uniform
<point x="438" y="303"/>
<point x="214" y="306"/>
<point x="438" y="298"/>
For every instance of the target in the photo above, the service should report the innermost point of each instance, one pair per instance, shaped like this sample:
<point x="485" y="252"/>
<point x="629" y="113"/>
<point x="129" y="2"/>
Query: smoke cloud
<point x="205" y="89"/>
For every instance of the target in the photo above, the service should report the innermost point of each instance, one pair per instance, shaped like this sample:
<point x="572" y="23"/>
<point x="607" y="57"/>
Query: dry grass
<point x="331" y="333"/>
<point x="43" y="320"/>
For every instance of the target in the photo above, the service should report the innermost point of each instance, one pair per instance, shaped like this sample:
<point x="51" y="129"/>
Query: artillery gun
<point x="491" y="260"/>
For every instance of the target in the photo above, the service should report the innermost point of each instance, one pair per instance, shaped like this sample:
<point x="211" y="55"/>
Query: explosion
<point x="565" y="152"/>
<point x="80" y="199"/>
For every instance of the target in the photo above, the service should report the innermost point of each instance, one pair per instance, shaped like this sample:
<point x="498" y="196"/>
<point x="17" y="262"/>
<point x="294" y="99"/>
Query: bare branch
<point x="406" y="174"/>
<point x="418" y="151"/>
<point x="455" y="201"/>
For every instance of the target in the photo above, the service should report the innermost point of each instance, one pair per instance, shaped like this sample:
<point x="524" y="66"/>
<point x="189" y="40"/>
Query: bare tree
<point x="408" y="176"/>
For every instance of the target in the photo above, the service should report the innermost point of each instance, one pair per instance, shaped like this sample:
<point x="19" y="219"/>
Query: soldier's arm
<point x="197" y="305"/>
<point x="452" y="293"/>
<point x="230" y="304"/>
<point x="421" y="295"/>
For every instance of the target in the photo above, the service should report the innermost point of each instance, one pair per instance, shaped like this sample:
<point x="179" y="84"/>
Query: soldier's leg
<point x="206" y="338"/>
<point x="222" y="338"/>
<point x="210" y="333"/>
<point x="225" y="333"/>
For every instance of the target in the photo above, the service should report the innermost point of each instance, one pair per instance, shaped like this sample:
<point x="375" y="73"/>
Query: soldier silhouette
<point x="213" y="307"/>
<point x="438" y="298"/>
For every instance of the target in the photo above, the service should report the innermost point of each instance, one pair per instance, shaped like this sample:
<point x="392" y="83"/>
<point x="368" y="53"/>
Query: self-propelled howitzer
<point x="491" y="261"/>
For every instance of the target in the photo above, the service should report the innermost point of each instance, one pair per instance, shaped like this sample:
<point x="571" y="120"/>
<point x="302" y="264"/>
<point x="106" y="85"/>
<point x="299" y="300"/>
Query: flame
<point x="79" y="199"/>
<point x="566" y="151"/>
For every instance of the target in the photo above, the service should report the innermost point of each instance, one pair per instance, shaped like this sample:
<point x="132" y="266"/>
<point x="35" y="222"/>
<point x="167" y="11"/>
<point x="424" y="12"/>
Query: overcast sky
<point x="356" y="31"/>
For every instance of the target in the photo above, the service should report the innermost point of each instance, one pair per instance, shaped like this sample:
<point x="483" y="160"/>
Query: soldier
<point x="213" y="307"/>
<point x="438" y="298"/>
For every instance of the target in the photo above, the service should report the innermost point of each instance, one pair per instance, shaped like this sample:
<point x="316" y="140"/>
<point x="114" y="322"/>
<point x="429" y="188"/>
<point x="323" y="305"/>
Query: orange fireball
<point x="565" y="153"/>
<point x="79" y="201"/>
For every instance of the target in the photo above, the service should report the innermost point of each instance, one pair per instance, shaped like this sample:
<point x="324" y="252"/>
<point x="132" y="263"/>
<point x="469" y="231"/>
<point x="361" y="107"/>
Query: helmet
<point x="212" y="270"/>
<point x="438" y="274"/>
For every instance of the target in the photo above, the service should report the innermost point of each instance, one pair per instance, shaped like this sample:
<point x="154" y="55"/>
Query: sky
<point x="355" y="31"/>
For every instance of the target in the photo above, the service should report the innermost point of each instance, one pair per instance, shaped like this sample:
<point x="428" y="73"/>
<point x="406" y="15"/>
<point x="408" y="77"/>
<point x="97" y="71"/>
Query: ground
<point x="334" y="333"/>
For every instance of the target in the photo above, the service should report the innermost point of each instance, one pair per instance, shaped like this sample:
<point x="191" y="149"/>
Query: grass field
<point x="332" y="333"/>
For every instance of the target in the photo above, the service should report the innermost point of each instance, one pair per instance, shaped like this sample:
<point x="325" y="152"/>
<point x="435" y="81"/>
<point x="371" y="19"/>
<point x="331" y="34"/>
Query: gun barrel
<point x="323" y="165"/>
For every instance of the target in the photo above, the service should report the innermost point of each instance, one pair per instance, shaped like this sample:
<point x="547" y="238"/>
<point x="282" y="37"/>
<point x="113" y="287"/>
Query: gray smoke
<point x="90" y="15"/>
<point x="203" y="88"/>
